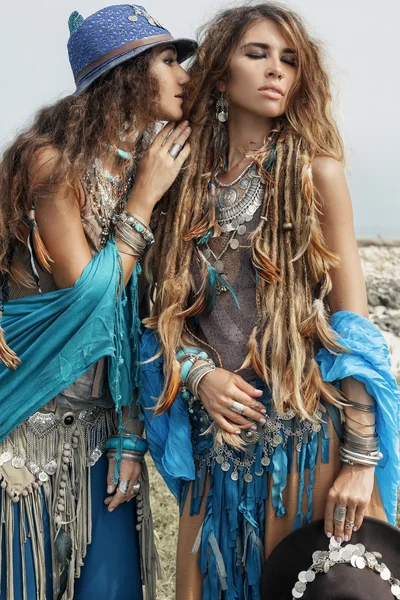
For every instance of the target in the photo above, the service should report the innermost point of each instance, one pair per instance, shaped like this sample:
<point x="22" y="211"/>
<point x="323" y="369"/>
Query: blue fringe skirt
<point x="242" y="504"/>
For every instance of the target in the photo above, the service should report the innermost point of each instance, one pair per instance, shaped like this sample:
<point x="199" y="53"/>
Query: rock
<point x="381" y="266"/>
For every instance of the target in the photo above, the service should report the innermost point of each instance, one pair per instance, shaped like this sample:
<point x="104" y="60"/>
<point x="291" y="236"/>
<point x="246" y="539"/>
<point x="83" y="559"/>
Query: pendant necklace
<point x="233" y="213"/>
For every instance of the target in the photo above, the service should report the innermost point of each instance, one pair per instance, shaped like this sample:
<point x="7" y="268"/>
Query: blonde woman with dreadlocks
<point x="276" y="404"/>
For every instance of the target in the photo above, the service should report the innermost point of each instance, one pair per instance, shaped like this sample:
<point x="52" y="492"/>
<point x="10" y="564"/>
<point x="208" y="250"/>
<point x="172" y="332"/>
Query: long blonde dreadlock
<point x="289" y="255"/>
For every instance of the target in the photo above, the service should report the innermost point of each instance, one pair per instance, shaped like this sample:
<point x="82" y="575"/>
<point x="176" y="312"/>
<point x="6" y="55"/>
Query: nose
<point x="183" y="76"/>
<point x="273" y="70"/>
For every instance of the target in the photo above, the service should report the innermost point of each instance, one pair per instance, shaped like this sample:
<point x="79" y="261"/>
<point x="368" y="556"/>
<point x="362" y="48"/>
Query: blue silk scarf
<point x="59" y="335"/>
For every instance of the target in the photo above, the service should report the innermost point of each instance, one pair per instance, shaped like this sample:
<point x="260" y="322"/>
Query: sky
<point x="360" y="40"/>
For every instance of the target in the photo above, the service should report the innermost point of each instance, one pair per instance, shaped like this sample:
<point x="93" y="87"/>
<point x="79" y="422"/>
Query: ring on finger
<point x="123" y="486"/>
<point x="175" y="150"/>
<point x="256" y="406"/>
<point x="237" y="407"/>
<point x="340" y="514"/>
<point x="136" y="488"/>
<point x="349" y="524"/>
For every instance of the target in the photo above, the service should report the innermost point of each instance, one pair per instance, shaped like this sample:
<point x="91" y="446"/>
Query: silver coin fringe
<point x="353" y="554"/>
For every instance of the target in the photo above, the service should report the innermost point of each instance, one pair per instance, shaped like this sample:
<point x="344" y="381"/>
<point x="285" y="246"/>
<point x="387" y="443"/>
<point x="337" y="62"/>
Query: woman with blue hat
<point x="77" y="191"/>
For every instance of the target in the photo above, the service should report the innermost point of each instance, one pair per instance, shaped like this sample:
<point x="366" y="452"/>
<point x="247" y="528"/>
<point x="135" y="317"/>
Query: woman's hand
<point x="219" y="389"/>
<point x="157" y="170"/>
<point x="130" y="470"/>
<point x="351" y="490"/>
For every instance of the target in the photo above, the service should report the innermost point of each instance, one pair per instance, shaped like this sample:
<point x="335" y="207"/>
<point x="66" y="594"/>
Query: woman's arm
<point x="353" y="487"/>
<point x="58" y="215"/>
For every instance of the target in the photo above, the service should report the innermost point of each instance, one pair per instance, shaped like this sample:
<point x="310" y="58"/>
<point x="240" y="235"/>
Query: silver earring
<point x="222" y="109"/>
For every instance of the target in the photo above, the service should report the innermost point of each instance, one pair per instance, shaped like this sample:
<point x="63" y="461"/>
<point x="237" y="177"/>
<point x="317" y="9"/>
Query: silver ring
<point x="136" y="487"/>
<point x="237" y="407"/>
<point x="174" y="150"/>
<point x="123" y="486"/>
<point x="339" y="514"/>
<point x="255" y="406"/>
<point x="349" y="525"/>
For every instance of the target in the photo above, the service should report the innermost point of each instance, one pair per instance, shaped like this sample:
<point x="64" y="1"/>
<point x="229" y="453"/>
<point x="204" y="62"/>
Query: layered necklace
<point x="234" y="211"/>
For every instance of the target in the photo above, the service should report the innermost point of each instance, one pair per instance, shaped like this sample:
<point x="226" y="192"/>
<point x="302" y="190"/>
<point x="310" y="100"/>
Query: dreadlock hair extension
<point x="74" y="131"/>
<point x="289" y="255"/>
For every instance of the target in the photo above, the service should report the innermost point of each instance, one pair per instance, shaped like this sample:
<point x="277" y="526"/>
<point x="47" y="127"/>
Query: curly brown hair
<point x="79" y="128"/>
<point x="288" y="250"/>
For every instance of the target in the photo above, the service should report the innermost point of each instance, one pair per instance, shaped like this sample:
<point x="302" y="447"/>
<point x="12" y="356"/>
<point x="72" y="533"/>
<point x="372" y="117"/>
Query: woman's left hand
<point x="130" y="470"/>
<point x="351" y="490"/>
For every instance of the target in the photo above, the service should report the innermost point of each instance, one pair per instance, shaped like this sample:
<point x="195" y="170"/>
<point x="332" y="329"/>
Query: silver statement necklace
<point x="233" y="212"/>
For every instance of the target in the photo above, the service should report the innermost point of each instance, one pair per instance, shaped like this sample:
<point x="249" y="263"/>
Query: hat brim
<point x="185" y="49"/>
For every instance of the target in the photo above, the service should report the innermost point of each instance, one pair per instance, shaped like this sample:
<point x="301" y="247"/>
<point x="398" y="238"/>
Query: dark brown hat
<point x="373" y="573"/>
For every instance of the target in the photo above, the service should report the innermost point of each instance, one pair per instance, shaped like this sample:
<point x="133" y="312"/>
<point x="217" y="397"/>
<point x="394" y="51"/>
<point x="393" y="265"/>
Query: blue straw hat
<point x="113" y="35"/>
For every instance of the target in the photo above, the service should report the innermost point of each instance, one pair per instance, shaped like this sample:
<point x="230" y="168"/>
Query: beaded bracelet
<point x="136" y="223"/>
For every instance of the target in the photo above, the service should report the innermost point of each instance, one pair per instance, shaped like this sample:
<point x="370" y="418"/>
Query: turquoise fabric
<point x="369" y="362"/>
<point x="168" y="434"/>
<point x="59" y="335"/>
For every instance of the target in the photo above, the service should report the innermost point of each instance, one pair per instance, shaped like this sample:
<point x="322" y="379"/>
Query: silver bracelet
<point x="194" y="371"/>
<point x="199" y="378"/>
<point x="131" y="237"/>
<point x="137" y="224"/>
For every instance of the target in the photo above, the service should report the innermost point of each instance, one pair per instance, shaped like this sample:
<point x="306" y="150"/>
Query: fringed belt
<point x="46" y="459"/>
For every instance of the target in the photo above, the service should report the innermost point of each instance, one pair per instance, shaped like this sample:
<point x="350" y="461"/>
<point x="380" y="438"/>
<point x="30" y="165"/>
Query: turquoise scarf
<point x="59" y="335"/>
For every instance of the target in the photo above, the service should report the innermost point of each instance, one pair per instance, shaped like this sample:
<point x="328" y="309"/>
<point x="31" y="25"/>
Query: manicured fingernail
<point x="263" y="411"/>
<point x="329" y="535"/>
<point x="110" y="509"/>
<point x="238" y="432"/>
<point x="339" y="540"/>
<point x="263" y="421"/>
<point x="188" y="129"/>
<point x="346" y="538"/>
<point x="110" y="489"/>
<point x="355" y="528"/>
<point x="259" y="392"/>
<point x="253" y="428"/>
<point x="185" y="123"/>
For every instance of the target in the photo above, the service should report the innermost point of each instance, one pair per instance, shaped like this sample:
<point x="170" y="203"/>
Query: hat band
<point x="163" y="37"/>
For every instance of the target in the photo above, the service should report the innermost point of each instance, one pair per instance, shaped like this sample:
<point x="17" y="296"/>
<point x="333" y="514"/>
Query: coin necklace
<point x="234" y="212"/>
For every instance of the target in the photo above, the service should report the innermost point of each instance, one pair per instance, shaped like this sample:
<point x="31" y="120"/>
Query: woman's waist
<point x="50" y="437"/>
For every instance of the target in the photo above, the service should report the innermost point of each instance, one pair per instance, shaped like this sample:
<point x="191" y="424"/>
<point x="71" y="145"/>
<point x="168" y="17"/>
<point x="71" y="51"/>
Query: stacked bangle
<point x="356" y="447"/>
<point x="196" y="375"/>
<point x="191" y="375"/>
<point x="126" y="455"/>
<point x="134" y="231"/>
